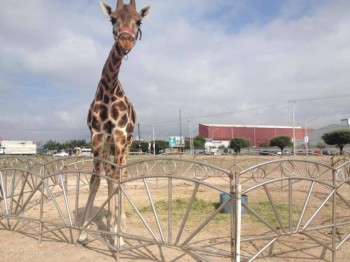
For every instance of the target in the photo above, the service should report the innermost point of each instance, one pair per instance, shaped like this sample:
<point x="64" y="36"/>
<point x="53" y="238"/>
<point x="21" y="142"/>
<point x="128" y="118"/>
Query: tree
<point x="238" y="143"/>
<point x="281" y="142"/>
<point x="264" y="145"/>
<point x="52" y="145"/>
<point x="161" y="145"/>
<point x="137" y="145"/>
<point x="223" y="148"/>
<point x="76" y="143"/>
<point x="338" y="137"/>
<point x="198" y="142"/>
<point x="321" y="145"/>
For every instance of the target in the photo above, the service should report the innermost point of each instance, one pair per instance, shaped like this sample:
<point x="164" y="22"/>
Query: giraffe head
<point x="126" y="22"/>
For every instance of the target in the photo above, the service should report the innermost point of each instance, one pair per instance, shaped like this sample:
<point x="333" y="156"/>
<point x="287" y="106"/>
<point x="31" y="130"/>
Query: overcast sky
<point x="219" y="62"/>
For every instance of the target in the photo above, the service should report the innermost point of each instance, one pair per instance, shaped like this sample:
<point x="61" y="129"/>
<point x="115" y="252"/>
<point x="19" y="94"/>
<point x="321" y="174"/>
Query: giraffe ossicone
<point x="111" y="117"/>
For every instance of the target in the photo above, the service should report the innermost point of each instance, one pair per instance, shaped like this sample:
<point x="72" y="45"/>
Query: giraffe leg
<point x="113" y="194"/>
<point x="114" y="212"/>
<point x="94" y="186"/>
<point x="120" y="159"/>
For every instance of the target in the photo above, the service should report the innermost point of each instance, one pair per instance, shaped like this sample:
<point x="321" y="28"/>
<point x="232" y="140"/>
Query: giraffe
<point x="111" y="116"/>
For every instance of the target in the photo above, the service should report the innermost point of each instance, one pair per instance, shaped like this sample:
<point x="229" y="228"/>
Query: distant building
<point x="11" y="147"/>
<point x="257" y="135"/>
<point x="345" y="122"/>
<point x="316" y="136"/>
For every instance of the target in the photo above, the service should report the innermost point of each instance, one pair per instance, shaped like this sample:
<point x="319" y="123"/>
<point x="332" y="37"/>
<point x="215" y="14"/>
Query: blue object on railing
<point x="227" y="207"/>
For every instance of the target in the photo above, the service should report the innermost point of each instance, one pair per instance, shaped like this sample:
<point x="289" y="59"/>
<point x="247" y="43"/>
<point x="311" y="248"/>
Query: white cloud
<point x="194" y="57"/>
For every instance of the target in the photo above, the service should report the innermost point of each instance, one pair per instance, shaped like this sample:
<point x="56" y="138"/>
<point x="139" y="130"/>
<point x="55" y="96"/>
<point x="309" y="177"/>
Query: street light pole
<point x="154" y="142"/>
<point x="191" y="148"/>
<point x="306" y="140"/>
<point x="191" y="137"/>
<point x="293" y="123"/>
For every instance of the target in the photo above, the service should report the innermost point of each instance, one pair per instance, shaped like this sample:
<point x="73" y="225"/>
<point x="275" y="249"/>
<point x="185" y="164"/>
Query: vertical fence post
<point x="235" y="194"/>
<point x="41" y="210"/>
<point x="334" y="209"/>
<point x="120" y="211"/>
<point x="232" y="218"/>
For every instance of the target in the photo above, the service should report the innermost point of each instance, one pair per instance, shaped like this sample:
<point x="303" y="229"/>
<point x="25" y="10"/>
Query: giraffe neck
<point x="111" y="68"/>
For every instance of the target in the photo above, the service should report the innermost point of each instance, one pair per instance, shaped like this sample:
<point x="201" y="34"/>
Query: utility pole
<point x="191" y="139"/>
<point x="138" y="131"/>
<point x="181" y="149"/>
<point x="293" y="121"/>
<point x="154" y="142"/>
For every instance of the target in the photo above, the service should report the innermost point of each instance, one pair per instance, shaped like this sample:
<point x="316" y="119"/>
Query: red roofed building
<point x="257" y="135"/>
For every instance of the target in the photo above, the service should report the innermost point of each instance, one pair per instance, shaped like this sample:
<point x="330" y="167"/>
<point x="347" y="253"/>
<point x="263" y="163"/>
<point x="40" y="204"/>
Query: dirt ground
<point x="18" y="247"/>
<point x="23" y="246"/>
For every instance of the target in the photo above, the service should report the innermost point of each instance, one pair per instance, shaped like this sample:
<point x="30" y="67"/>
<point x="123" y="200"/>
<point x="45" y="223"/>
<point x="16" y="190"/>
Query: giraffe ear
<point x="106" y="9"/>
<point x="145" y="12"/>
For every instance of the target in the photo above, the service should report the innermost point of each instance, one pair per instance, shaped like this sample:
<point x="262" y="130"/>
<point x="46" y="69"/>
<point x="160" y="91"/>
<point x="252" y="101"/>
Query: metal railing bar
<point x="68" y="209"/>
<point x="4" y="195"/>
<point x="306" y="202"/>
<point x="153" y="209"/>
<point x="274" y="208"/>
<point x="343" y="241"/>
<point x="24" y="223"/>
<point x="17" y="201"/>
<point x="170" y="209"/>
<point x="342" y="198"/>
<point x="30" y="197"/>
<point x="139" y="214"/>
<point x="201" y="226"/>
<point x="188" y="209"/>
<point x="317" y="241"/>
<point x="77" y="198"/>
<point x="209" y="251"/>
<point x="198" y="257"/>
<point x="319" y="209"/>
<point x="55" y="202"/>
<point x="136" y="249"/>
<point x="290" y="199"/>
<point x="21" y="193"/>
<point x="261" y="219"/>
<point x="12" y="190"/>
<point x="178" y="257"/>
<point x="263" y="249"/>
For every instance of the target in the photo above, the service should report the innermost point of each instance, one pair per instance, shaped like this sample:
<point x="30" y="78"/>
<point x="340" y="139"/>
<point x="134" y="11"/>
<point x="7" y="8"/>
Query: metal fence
<point x="185" y="208"/>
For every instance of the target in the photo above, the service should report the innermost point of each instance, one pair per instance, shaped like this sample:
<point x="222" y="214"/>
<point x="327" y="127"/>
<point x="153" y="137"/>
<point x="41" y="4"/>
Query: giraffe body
<point x="111" y="117"/>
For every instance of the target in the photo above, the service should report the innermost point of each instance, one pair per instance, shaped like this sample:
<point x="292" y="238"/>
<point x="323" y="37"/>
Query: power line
<point x="249" y="109"/>
<point x="213" y="115"/>
<point x="321" y="98"/>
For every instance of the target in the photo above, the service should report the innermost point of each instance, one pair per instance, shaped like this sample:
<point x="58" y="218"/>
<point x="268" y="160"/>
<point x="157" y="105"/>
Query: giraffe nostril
<point x="126" y="37"/>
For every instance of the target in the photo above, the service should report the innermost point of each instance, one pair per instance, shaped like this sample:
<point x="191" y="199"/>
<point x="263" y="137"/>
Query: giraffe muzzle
<point x="126" y="39"/>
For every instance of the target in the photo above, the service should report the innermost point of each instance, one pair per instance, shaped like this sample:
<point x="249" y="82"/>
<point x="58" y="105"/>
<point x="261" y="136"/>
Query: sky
<point x="239" y="62"/>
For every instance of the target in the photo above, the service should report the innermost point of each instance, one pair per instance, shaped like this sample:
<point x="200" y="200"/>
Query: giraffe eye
<point x="138" y="23"/>
<point x="113" y="20"/>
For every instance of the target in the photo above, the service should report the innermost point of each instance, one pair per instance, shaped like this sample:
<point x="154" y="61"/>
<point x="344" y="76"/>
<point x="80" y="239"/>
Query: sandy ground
<point x="18" y="247"/>
<point x="23" y="246"/>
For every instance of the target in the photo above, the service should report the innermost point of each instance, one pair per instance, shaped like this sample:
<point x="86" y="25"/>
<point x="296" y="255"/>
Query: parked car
<point x="61" y="154"/>
<point x="264" y="153"/>
<point x="330" y="152"/>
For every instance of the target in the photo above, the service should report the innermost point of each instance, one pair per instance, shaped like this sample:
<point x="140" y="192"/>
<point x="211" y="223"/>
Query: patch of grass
<point x="200" y="210"/>
<point x="265" y="210"/>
